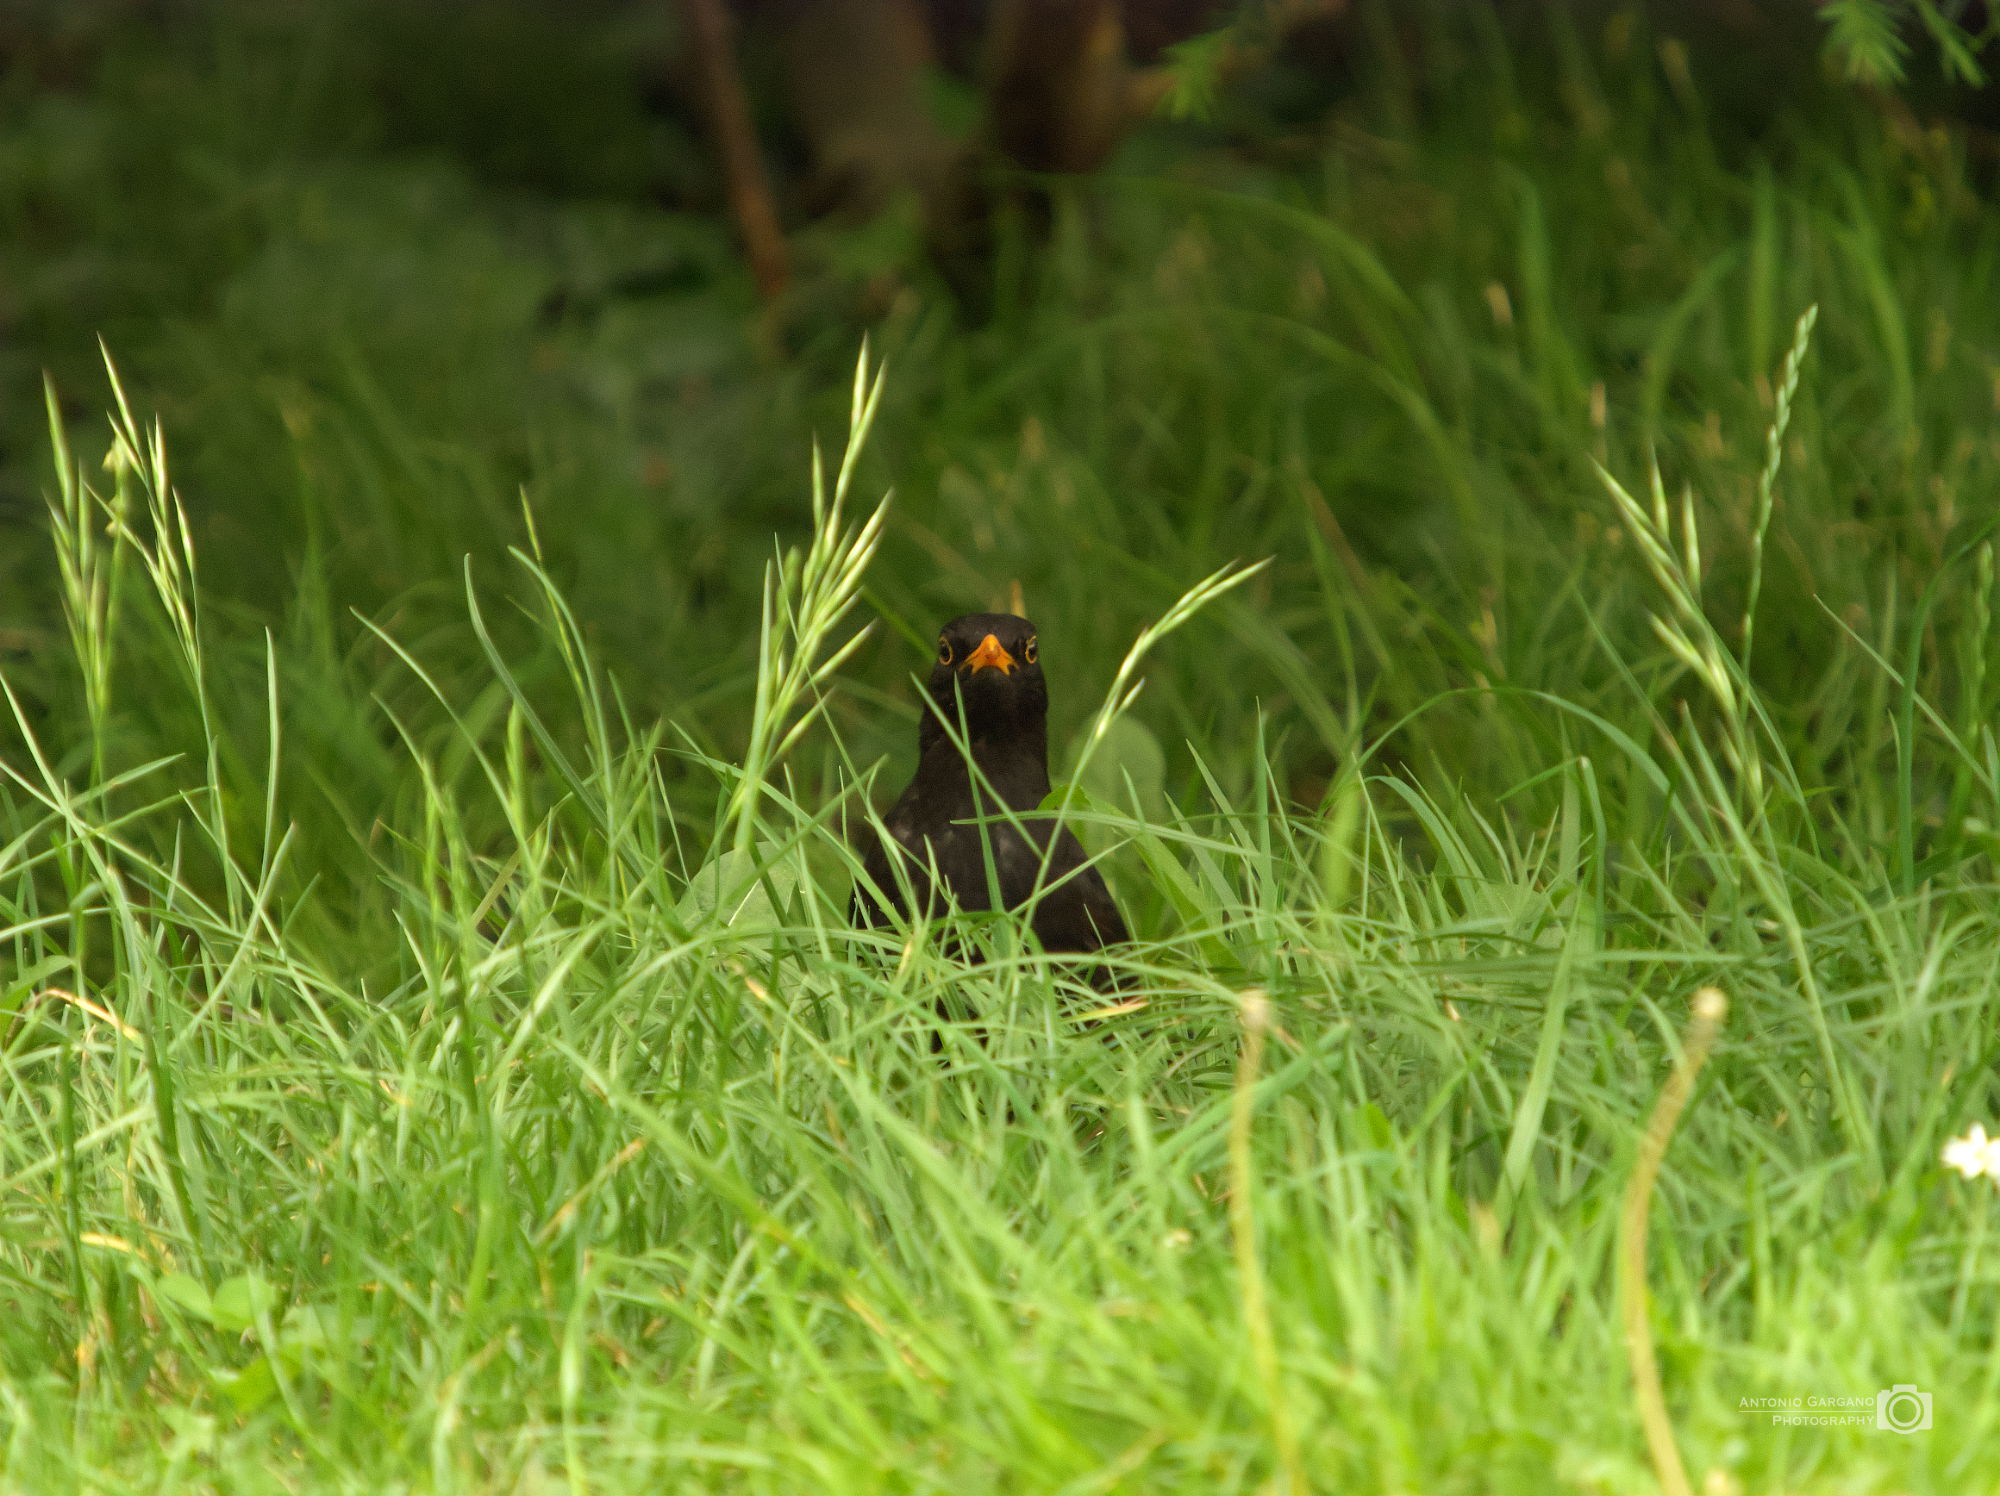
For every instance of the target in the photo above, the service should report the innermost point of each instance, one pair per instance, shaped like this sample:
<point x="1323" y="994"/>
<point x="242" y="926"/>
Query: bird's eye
<point x="1028" y="651"/>
<point x="944" y="651"/>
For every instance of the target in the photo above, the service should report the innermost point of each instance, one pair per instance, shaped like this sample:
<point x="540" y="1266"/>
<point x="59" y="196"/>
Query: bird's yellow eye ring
<point x="1028" y="651"/>
<point x="944" y="651"/>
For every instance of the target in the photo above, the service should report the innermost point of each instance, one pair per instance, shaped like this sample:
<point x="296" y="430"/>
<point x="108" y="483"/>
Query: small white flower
<point x="1974" y="1154"/>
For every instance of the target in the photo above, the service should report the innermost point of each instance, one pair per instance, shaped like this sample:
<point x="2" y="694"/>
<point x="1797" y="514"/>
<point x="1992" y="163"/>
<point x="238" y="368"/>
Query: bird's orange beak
<point x="990" y="652"/>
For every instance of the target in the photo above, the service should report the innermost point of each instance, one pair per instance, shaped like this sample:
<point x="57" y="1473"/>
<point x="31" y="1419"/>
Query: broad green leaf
<point x="735" y="890"/>
<point x="1128" y="763"/>
<point x="186" y="1294"/>
<point x="312" y="1327"/>
<point x="240" y="1300"/>
<point x="250" y="1388"/>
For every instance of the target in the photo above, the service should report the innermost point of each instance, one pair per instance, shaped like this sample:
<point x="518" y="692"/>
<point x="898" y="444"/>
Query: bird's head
<point x="992" y="663"/>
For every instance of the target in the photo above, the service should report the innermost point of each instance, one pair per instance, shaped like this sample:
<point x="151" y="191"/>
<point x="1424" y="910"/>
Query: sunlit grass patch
<point x="642" y="1165"/>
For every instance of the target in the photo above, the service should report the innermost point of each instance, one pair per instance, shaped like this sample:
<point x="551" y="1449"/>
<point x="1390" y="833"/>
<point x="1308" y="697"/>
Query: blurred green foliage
<point x="492" y="1095"/>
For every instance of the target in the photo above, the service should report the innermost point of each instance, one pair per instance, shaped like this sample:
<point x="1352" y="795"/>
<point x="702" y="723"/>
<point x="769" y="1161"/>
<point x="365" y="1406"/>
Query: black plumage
<point x="988" y="676"/>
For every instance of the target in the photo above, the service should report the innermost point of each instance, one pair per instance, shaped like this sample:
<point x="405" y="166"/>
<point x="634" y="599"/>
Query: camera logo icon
<point x="1902" y="1409"/>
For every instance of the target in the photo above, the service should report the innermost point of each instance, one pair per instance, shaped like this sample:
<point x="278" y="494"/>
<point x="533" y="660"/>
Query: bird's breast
<point x="948" y="821"/>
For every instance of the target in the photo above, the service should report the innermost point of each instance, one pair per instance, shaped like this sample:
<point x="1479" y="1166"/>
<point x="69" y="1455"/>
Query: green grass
<point x="434" y="1055"/>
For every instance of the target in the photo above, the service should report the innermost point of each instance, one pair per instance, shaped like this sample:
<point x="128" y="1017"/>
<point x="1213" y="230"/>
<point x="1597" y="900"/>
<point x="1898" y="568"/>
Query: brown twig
<point x="736" y="139"/>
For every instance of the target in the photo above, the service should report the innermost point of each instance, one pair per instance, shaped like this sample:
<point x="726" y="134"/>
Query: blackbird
<point x="989" y="670"/>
